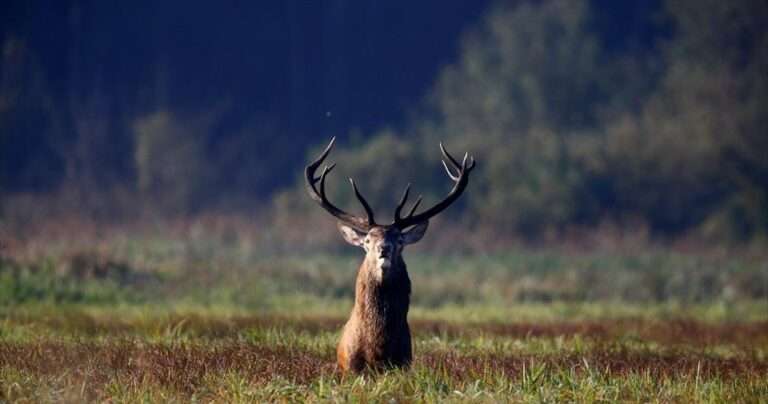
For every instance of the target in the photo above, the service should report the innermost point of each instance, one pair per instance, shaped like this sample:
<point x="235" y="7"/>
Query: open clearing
<point x="137" y="318"/>
<point x="75" y="354"/>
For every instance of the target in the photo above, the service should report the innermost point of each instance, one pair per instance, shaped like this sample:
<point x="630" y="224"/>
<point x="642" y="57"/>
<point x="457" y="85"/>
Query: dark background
<point x="309" y="70"/>
<point x="644" y="114"/>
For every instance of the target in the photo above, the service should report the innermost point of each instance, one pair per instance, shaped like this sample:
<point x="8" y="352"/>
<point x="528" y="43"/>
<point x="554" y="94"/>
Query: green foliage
<point x="567" y="134"/>
<point x="534" y="191"/>
<point x="683" y="160"/>
<point x="170" y="162"/>
<point x="529" y="81"/>
<point x="206" y="273"/>
<point x="21" y="284"/>
<point x="527" y="66"/>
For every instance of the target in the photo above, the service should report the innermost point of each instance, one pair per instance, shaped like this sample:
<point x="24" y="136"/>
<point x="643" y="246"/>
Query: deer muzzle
<point x="384" y="254"/>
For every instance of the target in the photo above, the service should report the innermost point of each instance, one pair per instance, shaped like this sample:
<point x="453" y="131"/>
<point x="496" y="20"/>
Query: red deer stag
<point x="377" y="336"/>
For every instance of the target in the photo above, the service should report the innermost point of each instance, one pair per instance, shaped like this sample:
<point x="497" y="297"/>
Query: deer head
<point x="390" y="238"/>
<point x="377" y="331"/>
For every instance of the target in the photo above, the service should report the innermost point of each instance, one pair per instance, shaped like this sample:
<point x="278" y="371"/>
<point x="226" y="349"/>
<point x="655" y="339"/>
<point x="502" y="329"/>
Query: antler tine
<point x="454" y="163"/>
<point x="401" y="205"/>
<point x="447" y="170"/>
<point x="415" y="205"/>
<point x="363" y="202"/>
<point x="460" y="183"/>
<point x="402" y="201"/>
<point x="320" y="197"/>
<point x="450" y="158"/>
<point x="313" y="166"/>
<point x="326" y="170"/>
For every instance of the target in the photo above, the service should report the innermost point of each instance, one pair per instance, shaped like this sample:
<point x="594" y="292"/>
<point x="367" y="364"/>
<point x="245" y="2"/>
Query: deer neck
<point x="382" y="295"/>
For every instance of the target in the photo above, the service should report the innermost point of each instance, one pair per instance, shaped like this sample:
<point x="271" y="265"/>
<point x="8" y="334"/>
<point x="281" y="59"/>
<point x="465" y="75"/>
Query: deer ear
<point x="351" y="235"/>
<point x="415" y="233"/>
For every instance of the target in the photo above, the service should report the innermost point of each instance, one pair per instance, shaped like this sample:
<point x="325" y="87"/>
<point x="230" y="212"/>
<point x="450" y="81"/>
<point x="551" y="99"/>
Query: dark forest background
<point x="646" y="117"/>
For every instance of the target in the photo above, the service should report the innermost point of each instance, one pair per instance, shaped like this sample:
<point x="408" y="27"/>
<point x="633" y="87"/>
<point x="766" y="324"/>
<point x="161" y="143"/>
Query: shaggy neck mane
<point x="383" y="302"/>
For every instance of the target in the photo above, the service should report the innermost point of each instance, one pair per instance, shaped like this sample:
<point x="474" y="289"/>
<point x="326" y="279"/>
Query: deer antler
<point x="461" y="179"/>
<point x="357" y="222"/>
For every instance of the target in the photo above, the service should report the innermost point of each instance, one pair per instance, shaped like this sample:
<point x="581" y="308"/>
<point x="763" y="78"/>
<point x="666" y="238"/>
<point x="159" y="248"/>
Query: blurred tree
<point x="528" y="65"/>
<point x="568" y="126"/>
<point x="528" y="78"/>
<point x="695" y="153"/>
<point x="567" y="133"/>
<point x="31" y="128"/>
<point x="530" y="87"/>
<point x="171" y="167"/>
<point x="252" y="161"/>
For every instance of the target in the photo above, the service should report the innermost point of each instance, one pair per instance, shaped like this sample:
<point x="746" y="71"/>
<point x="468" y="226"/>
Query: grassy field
<point x="162" y="353"/>
<point x="151" y="319"/>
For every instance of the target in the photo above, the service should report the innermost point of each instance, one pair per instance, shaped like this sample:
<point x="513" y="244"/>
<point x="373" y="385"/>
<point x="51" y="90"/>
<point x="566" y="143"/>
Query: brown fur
<point x="377" y="335"/>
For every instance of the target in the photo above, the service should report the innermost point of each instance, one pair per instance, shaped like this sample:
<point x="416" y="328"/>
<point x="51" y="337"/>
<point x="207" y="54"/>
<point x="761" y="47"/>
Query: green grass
<point x="145" y="353"/>
<point x="143" y="319"/>
<point x="165" y="272"/>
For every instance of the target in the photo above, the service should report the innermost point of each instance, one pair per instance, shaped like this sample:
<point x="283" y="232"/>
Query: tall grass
<point x="192" y="315"/>
<point x="57" y="355"/>
<point x="159" y="274"/>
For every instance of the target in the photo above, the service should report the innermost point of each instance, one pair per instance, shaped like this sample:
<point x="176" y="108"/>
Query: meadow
<point x="210" y="316"/>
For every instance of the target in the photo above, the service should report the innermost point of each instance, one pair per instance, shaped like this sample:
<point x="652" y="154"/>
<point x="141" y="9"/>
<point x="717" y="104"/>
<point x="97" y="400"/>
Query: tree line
<point x="568" y="129"/>
<point x="569" y="133"/>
